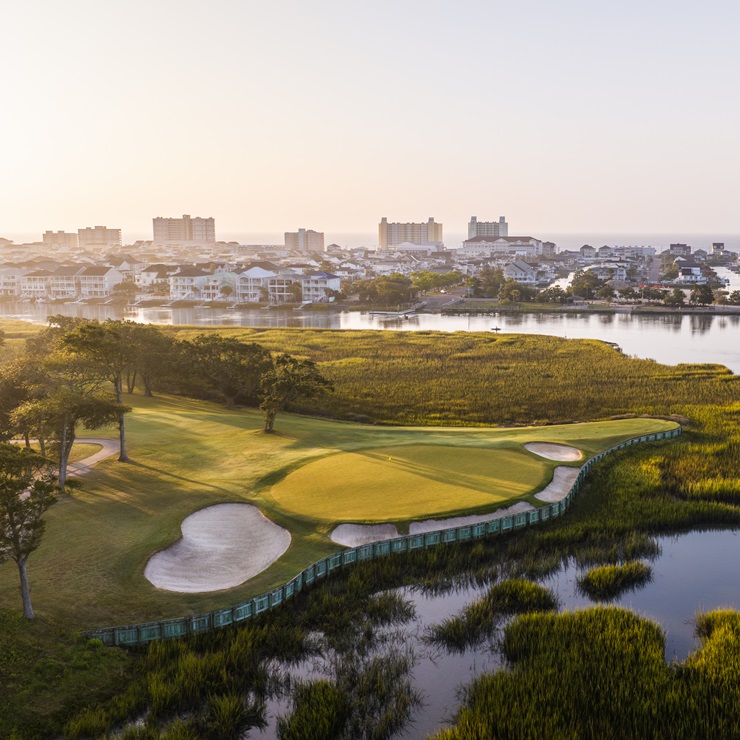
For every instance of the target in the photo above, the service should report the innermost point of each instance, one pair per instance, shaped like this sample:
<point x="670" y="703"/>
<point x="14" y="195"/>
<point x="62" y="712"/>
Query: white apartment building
<point x="316" y="287"/>
<point x="63" y="239"/>
<point x="690" y="272"/>
<point x="35" y="284"/>
<point x="97" y="281"/>
<point x="187" y="284"/>
<point x="221" y="286"/>
<point x="251" y="285"/>
<point x="185" y="231"/>
<point x="153" y="274"/>
<point x="487" y="228"/>
<point x="610" y="270"/>
<point x="304" y="240"/>
<point x="98" y="237"/>
<point x="258" y="285"/>
<point x="64" y="282"/>
<point x="521" y="272"/>
<point x="484" y="246"/>
<point x="634" y="252"/>
<point x="392" y="234"/>
<point x="10" y="279"/>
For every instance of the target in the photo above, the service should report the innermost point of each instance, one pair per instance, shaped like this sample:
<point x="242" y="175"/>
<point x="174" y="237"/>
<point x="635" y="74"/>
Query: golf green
<point x="407" y="482"/>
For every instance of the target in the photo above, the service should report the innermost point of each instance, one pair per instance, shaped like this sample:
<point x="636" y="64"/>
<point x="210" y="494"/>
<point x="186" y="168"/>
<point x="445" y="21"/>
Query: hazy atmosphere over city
<point x="369" y="370"/>
<point x="569" y="117"/>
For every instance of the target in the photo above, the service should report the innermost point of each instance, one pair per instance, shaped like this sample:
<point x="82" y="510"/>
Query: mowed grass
<point x="408" y="482"/>
<point x="89" y="570"/>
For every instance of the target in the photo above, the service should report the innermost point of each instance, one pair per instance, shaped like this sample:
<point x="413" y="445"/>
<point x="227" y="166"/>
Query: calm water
<point x="699" y="571"/>
<point x="667" y="338"/>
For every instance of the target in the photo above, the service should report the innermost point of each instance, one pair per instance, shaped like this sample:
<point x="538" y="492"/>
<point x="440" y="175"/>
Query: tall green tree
<point x="109" y="350"/>
<point x="65" y="395"/>
<point x="155" y="357"/>
<point x="701" y="295"/>
<point x="25" y="494"/>
<point x="288" y="380"/>
<point x="230" y="367"/>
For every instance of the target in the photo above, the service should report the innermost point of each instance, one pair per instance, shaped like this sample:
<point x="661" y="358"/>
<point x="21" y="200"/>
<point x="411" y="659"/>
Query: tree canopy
<point x="25" y="494"/>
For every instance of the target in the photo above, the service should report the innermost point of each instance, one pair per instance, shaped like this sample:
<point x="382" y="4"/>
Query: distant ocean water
<point x="573" y="240"/>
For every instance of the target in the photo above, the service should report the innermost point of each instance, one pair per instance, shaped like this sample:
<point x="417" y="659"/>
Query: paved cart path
<point x="109" y="447"/>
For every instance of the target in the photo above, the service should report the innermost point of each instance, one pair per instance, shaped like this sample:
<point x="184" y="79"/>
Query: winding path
<point x="84" y="466"/>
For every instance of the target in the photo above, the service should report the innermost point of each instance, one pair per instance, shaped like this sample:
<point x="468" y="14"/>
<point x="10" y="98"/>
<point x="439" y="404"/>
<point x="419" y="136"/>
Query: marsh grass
<point x="607" y="582"/>
<point x="484" y="616"/>
<point x="601" y="672"/>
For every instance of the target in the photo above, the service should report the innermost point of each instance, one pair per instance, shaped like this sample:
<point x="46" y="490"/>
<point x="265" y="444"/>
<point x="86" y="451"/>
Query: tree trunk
<point x="63" y="456"/>
<point x="25" y="590"/>
<point x="122" y="455"/>
<point x="131" y="381"/>
<point x="27" y="437"/>
<point x="147" y="386"/>
<point x="269" y="420"/>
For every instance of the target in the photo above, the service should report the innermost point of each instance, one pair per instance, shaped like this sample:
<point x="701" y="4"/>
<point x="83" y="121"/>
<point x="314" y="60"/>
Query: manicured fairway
<point x="186" y="454"/>
<point x="405" y="482"/>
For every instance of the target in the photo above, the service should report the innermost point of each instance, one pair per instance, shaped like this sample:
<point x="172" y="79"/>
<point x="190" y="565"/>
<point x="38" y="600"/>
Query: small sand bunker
<point x="432" y="525"/>
<point x="552" y="451"/>
<point x="354" y="535"/>
<point x="221" y="547"/>
<point x="562" y="481"/>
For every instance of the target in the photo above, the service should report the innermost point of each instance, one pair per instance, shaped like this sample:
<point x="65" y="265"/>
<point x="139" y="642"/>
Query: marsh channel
<point x="686" y="579"/>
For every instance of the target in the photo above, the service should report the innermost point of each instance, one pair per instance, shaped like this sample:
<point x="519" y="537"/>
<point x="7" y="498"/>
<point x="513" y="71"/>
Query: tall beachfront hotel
<point x="392" y="234"/>
<point x="185" y="230"/>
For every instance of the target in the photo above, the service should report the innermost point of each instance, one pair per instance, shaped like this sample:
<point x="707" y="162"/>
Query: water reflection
<point x="665" y="337"/>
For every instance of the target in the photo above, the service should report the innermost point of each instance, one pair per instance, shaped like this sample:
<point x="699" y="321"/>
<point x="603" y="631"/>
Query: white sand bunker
<point x="432" y="525"/>
<point x="354" y="535"/>
<point x="221" y="547"/>
<point x="562" y="481"/>
<point x="553" y="451"/>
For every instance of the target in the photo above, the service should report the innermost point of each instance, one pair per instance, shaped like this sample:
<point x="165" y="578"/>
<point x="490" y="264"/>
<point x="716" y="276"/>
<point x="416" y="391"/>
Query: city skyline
<point x="567" y="118"/>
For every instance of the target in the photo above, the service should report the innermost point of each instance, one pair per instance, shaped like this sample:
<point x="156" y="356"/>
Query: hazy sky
<point x="564" y="116"/>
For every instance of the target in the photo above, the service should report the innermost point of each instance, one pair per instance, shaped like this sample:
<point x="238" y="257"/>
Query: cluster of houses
<point x="43" y="279"/>
<point x="273" y="274"/>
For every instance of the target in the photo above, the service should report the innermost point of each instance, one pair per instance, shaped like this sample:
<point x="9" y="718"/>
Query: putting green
<point x="408" y="482"/>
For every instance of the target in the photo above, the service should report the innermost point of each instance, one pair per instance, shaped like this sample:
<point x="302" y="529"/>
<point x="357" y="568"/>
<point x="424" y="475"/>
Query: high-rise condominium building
<point x="487" y="228"/>
<point x="185" y="230"/>
<point x="60" y="239"/>
<point x="392" y="234"/>
<point x="304" y="240"/>
<point x="99" y="237"/>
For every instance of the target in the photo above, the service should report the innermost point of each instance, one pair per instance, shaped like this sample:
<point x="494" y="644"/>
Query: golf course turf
<point x="398" y="483"/>
<point x="186" y="455"/>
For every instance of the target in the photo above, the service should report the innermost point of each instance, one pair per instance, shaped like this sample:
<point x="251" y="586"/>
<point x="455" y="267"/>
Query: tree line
<point x="75" y="374"/>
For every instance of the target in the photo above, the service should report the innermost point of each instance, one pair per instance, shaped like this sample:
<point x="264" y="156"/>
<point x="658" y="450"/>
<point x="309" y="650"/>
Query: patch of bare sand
<point x="553" y="451"/>
<point x="221" y="547"/>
